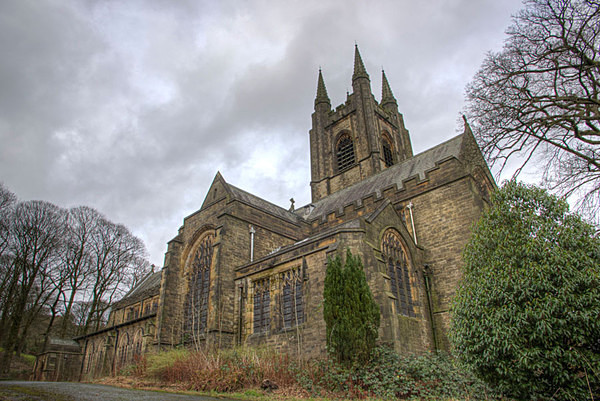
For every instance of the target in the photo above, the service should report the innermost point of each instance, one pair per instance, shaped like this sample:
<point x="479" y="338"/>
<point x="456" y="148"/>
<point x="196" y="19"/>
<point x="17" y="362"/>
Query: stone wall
<point x="407" y="334"/>
<point x="230" y="219"/>
<point x="443" y="221"/>
<point x="310" y="260"/>
<point x="363" y="238"/>
<point x="112" y="348"/>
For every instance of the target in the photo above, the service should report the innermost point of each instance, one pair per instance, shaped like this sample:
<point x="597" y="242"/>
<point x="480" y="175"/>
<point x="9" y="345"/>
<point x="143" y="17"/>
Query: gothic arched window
<point x="292" y="301"/>
<point x="138" y="343"/>
<point x="388" y="156"/>
<point x="196" y="303"/>
<point x="90" y="354"/>
<point x="123" y="349"/>
<point x="397" y="266"/>
<point x="262" y="305"/>
<point x="344" y="152"/>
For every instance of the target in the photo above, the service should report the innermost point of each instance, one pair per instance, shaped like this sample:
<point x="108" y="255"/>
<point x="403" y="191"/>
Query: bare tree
<point x="537" y="101"/>
<point x="79" y="313"/>
<point x="82" y="223"/>
<point x="34" y="237"/>
<point x="54" y="261"/>
<point x="58" y="278"/>
<point x="43" y="303"/>
<point x="7" y="201"/>
<point x="7" y="198"/>
<point x="118" y="263"/>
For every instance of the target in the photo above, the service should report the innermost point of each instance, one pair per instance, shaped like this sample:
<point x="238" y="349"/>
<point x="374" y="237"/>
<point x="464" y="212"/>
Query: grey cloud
<point x="132" y="107"/>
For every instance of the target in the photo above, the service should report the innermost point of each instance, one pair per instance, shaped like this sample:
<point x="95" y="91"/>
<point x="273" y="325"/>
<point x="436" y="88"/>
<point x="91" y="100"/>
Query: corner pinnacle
<point x="386" y="92"/>
<point x="466" y="125"/>
<point x="322" y="96"/>
<point x="359" y="68"/>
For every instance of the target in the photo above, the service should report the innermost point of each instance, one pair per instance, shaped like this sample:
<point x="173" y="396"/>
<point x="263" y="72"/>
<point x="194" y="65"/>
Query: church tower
<point x="359" y="138"/>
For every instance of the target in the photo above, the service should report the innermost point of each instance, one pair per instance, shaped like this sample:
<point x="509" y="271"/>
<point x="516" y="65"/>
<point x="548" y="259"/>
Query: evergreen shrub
<point x="390" y="376"/>
<point x="350" y="312"/>
<point x="526" y="316"/>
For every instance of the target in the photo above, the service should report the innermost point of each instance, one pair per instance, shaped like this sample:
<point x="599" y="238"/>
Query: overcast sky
<point x="132" y="107"/>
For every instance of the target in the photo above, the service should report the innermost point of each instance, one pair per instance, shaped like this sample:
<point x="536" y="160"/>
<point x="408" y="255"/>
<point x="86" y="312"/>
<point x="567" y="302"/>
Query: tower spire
<point x="359" y="68"/>
<point x="386" y="92"/>
<point x="322" y="96"/>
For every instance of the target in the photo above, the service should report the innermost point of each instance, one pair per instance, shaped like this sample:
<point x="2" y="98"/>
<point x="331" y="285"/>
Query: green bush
<point x="350" y="312"/>
<point x="390" y="376"/>
<point x="526" y="315"/>
<point x="385" y="376"/>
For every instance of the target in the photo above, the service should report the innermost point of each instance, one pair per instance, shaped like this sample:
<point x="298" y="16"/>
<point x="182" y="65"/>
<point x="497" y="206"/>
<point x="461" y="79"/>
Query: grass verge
<point x="30" y="394"/>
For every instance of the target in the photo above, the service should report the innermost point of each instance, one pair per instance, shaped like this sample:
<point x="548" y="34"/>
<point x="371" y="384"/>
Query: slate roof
<point x="148" y="287"/>
<point x="416" y="166"/>
<point x="394" y="175"/>
<point x="62" y="345"/>
<point x="349" y="225"/>
<point x="262" y="204"/>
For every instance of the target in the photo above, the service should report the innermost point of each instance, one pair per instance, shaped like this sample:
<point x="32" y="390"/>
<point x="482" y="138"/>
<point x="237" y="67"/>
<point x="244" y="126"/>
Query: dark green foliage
<point x="349" y="310"/>
<point x="333" y="302"/>
<point x="526" y="315"/>
<point x="390" y="376"/>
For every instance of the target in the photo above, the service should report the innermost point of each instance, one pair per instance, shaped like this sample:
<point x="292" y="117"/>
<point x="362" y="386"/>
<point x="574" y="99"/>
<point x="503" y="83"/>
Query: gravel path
<point x="62" y="391"/>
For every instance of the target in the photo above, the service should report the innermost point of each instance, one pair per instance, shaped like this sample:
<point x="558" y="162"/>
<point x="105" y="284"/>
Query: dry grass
<point x="240" y="373"/>
<point x="230" y="371"/>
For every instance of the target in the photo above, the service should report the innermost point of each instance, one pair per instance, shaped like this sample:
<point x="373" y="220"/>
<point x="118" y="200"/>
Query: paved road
<point x="51" y="391"/>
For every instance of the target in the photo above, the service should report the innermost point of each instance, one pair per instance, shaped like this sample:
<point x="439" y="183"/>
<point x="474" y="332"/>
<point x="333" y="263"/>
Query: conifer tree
<point x="349" y="310"/>
<point x="333" y="302"/>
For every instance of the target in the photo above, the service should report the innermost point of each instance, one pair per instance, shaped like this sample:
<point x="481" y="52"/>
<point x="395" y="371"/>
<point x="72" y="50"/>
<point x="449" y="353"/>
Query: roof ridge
<point x="287" y="212"/>
<point x="455" y="137"/>
<point x="393" y="175"/>
<point x="140" y="285"/>
<point x="386" y="171"/>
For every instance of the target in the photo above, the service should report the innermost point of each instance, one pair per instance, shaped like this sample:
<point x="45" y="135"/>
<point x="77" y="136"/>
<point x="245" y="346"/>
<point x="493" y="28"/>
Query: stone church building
<point x="243" y="271"/>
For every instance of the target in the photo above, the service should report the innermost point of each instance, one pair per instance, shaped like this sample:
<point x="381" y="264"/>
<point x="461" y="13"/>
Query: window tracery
<point x="90" y="356"/>
<point x="138" y="342"/>
<point x="262" y="305"/>
<point x="150" y="306"/>
<point x="397" y="266"/>
<point x="293" y="300"/>
<point x="123" y="349"/>
<point x="196" y="304"/>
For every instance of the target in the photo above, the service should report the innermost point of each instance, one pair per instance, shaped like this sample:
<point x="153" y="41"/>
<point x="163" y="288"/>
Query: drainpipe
<point x="252" y="232"/>
<point x="241" y="314"/>
<point x="427" y="277"/>
<point x="412" y="221"/>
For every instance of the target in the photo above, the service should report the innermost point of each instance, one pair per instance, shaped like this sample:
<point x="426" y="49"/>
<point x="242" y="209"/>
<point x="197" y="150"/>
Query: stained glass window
<point x="196" y="304"/>
<point x="397" y="266"/>
<point x="262" y="305"/>
<point x="292" y="301"/>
